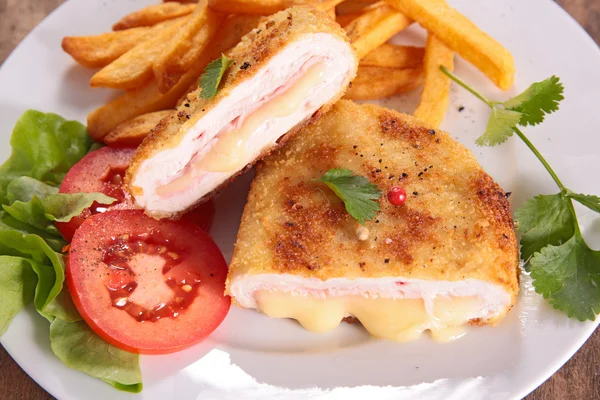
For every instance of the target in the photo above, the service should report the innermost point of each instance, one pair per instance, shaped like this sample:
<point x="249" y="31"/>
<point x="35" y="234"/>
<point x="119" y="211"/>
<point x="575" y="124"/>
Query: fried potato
<point x="152" y="15"/>
<point x="100" y="50"/>
<point x="134" y="68"/>
<point x="266" y="7"/>
<point x="374" y="28"/>
<point x="394" y="56"/>
<point x="373" y="83"/>
<point x="436" y="91"/>
<point x="132" y="132"/>
<point x="186" y="47"/>
<point x="148" y="98"/>
<point x="353" y="6"/>
<point x="463" y="36"/>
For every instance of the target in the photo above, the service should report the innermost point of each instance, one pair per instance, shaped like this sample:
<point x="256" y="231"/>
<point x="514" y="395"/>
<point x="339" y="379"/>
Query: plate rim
<point x="541" y="377"/>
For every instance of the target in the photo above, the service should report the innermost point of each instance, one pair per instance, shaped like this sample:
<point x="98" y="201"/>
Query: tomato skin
<point x="89" y="175"/>
<point x="87" y="277"/>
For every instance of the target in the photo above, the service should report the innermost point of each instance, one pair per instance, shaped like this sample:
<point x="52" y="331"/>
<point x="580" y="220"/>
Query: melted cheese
<point x="393" y="319"/>
<point x="231" y="151"/>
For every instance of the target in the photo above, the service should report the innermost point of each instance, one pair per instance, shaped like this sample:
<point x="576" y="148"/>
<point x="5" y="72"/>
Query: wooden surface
<point x="578" y="379"/>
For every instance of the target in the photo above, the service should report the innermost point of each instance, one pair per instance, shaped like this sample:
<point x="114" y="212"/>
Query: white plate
<point x="251" y="356"/>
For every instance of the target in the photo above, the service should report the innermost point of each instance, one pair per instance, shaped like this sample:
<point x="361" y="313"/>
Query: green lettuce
<point x="78" y="347"/>
<point x="32" y="268"/>
<point x="44" y="147"/>
<point x="39" y="205"/>
<point x="17" y="286"/>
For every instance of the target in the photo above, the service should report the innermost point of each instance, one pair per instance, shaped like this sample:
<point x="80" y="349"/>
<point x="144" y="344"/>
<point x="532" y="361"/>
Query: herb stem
<point x="524" y="138"/>
<point x="541" y="158"/>
<point x="466" y="86"/>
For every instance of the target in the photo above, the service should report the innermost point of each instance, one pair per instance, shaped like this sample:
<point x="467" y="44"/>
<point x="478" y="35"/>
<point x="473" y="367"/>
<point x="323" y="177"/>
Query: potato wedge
<point x="134" y="68"/>
<point x="152" y="15"/>
<point x="394" y="56"/>
<point x="148" y="98"/>
<point x="375" y="27"/>
<point x="186" y="47"/>
<point x="463" y="36"/>
<point x="100" y="50"/>
<point x="132" y="132"/>
<point x="266" y="7"/>
<point x="353" y="6"/>
<point x="373" y="83"/>
<point x="436" y="91"/>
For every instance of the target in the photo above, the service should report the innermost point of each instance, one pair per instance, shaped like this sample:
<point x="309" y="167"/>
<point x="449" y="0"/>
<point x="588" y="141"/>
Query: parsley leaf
<point x="590" y="201"/>
<point x="358" y="194"/>
<point x="544" y="220"/>
<point x="539" y="99"/>
<point x="500" y="127"/>
<point x="569" y="276"/>
<point x="211" y="78"/>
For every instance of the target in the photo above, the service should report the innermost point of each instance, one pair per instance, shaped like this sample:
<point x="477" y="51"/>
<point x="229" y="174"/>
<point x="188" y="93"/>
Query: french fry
<point x="373" y="83"/>
<point x="266" y="7"/>
<point x="461" y="35"/>
<point x="100" y="50"/>
<point x="436" y="91"/>
<point x="345" y="19"/>
<point x="148" y="98"/>
<point x="132" y="132"/>
<point x="134" y="68"/>
<point x="186" y="47"/>
<point x="394" y="56"/>
<point x="152" y="15"/>
<point x="331" y="13"/>
<point x="375" y="27"/>
<point x="353" y="6"/>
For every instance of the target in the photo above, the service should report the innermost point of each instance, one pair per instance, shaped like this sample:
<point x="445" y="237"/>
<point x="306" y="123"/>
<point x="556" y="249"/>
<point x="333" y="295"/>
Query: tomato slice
<point x="99" y="171"/>
<point x="102" y="171"/>
<point x="147" y="286"/>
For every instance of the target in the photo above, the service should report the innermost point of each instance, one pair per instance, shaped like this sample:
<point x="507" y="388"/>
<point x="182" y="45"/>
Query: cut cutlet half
<point x="285" y="74"/>
<point x="446" y="258"/>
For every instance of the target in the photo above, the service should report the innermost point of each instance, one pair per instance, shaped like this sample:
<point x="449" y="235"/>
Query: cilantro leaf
<point x="590" y="201"/>
<point x="569" y="276"/>
<point x="211" y="78"/>
<point x="544" y="220"/>
<point x="358" y="194"/>
<point x="500" y="127"/>
<point x="539" y="99"/>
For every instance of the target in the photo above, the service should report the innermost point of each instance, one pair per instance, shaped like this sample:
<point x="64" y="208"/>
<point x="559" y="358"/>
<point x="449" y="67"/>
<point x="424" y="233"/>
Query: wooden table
<point x="578" y="379"/>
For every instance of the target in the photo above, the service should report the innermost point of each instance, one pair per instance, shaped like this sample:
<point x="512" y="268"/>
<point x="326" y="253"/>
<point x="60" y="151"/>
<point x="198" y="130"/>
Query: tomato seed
<point x="186" y="288"/>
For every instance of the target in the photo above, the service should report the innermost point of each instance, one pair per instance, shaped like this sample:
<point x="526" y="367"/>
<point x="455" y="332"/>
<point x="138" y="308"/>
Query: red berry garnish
<point x="396" y="195"/>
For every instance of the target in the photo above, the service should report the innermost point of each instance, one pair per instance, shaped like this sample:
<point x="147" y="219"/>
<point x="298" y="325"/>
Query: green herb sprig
<point x="563" y="267"/>
<point x="358" y="194"/>
<point x="211" y="78"/>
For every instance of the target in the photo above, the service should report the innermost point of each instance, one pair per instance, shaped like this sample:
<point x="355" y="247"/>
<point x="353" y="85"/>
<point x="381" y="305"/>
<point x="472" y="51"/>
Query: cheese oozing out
<point x="389" y="308"/>
<point x="294" y="84"/>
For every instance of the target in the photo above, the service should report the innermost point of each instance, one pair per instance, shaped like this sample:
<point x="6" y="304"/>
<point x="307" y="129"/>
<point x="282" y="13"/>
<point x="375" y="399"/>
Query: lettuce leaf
<point x="32" y="268"/>
<point x="17" y="287"/>
<point x="44" y="147"/>
<point x="38" y="204"/>
<point x="47" y="264"/>
<point x="78" y="347"/>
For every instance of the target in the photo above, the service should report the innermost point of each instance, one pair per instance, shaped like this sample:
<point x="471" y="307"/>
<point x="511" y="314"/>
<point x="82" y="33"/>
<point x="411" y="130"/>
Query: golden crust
<point x="455" y="224"/>
<point x="255" y="50"/>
